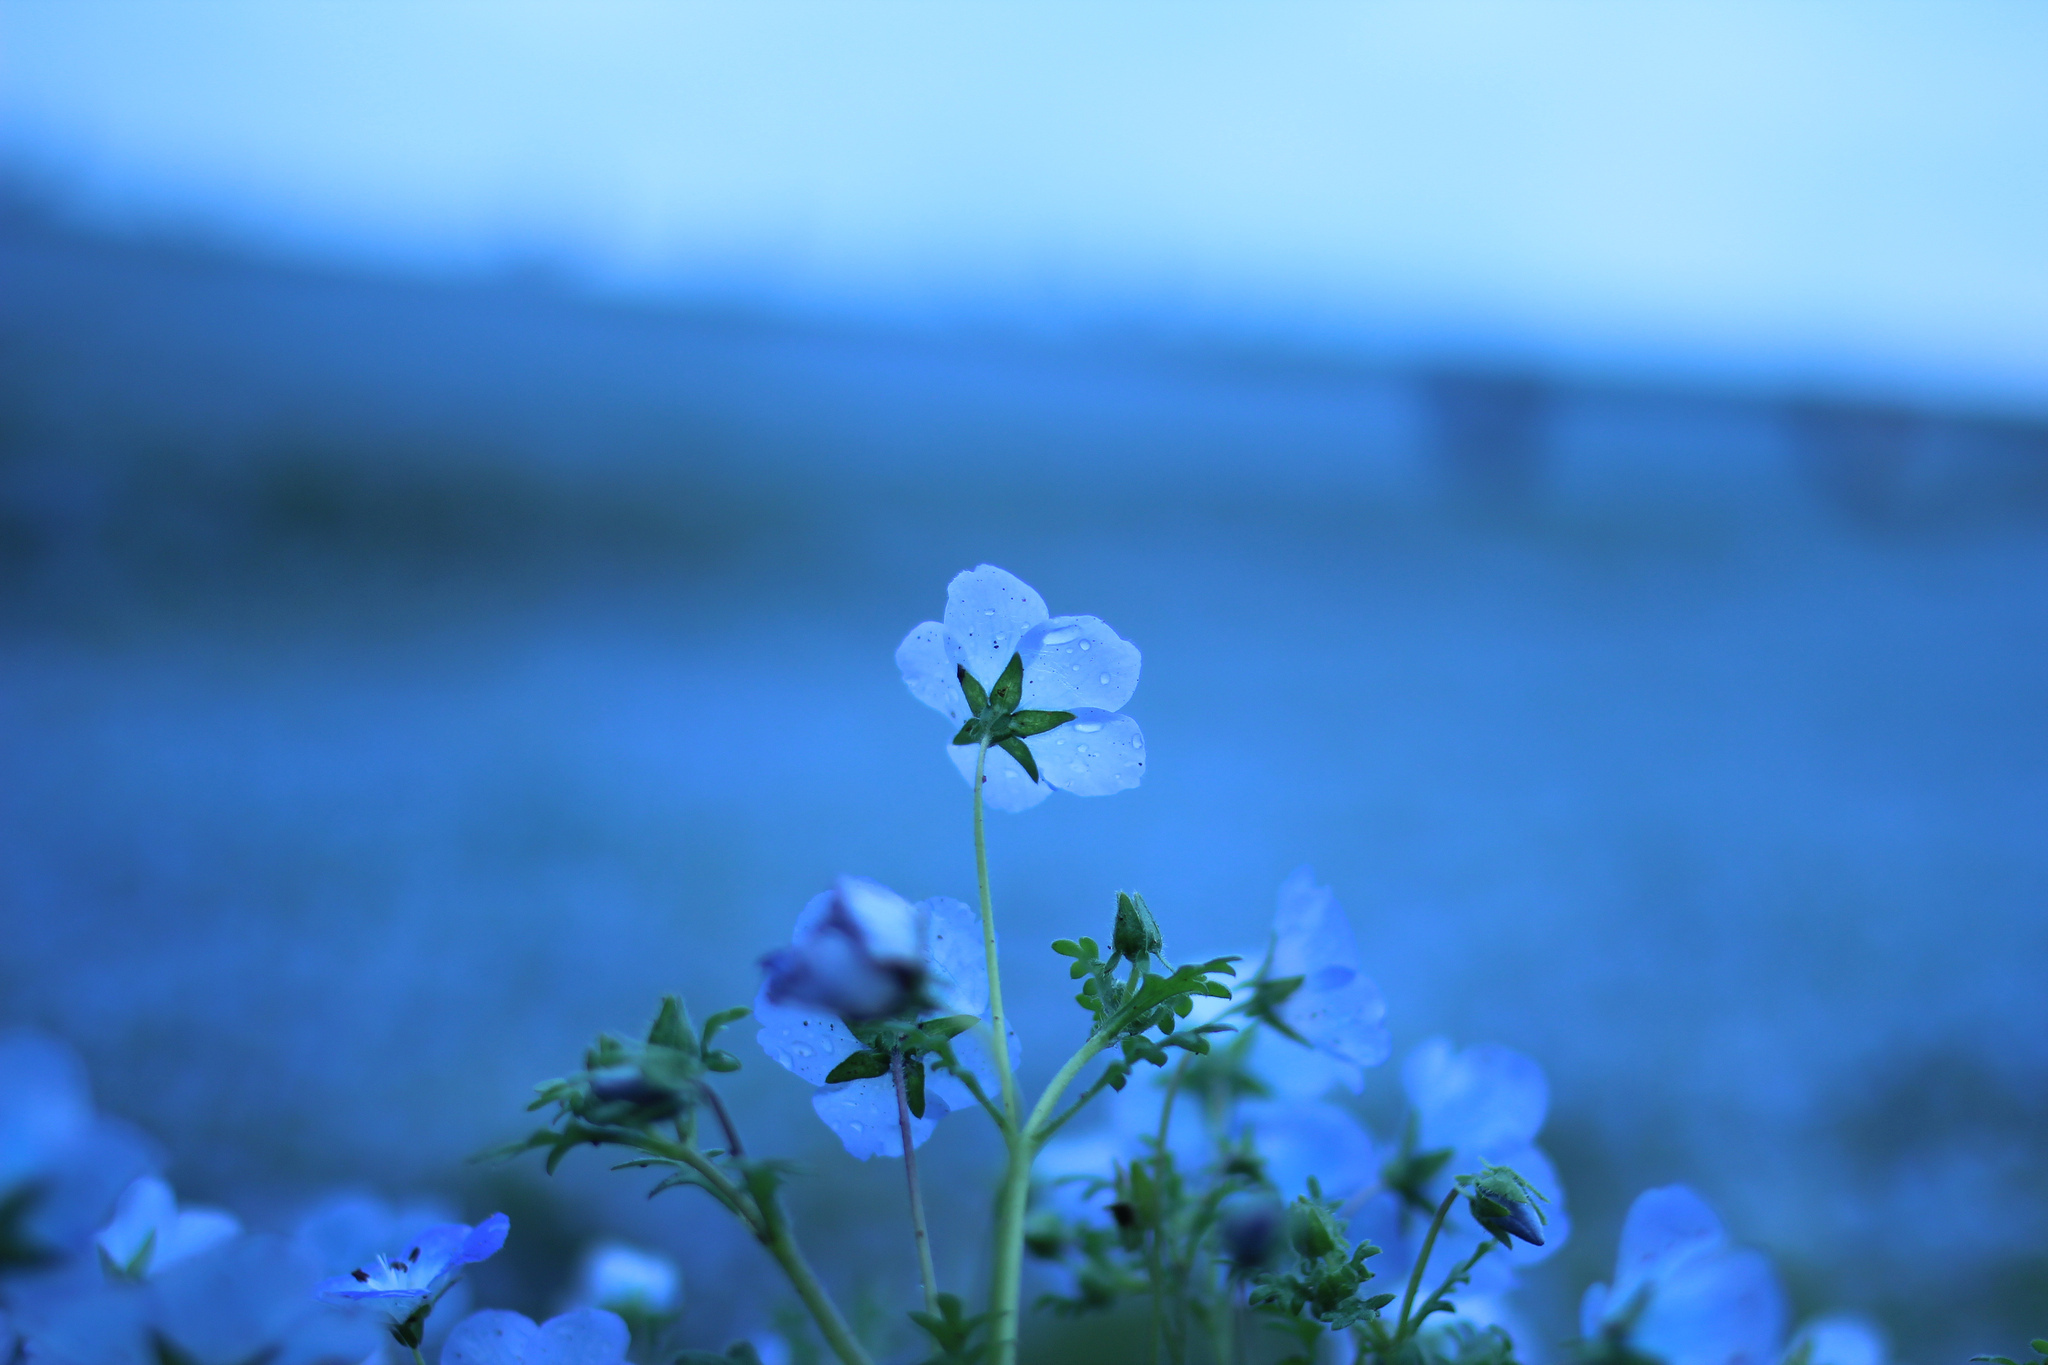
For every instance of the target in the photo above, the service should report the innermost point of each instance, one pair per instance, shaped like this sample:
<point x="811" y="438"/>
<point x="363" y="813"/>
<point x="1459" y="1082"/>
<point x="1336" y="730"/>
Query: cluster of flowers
<point x="101" y="1265"/>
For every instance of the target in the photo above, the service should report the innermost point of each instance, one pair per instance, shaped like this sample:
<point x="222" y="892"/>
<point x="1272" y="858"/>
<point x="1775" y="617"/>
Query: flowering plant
<point x="1195" y="1154"/>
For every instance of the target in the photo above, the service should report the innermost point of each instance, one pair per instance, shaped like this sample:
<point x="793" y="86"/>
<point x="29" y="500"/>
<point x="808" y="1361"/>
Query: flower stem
<point x="998" y="1021"/>
<point x="1422" y="1260"/>
<point x="420" y="1359"/>
<point x="782" y="1246"/>
<point x="919" y="1233"/>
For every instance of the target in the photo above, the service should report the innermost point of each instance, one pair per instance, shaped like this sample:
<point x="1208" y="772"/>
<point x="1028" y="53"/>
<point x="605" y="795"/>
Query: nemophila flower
<point x="407" y="1286"/>
<point x="626" y="1279"/>
<point x="150" y="1233"/>
<point x="1682" y="1293"/>
<point x="1046" y="692"/>
<point x="1842" y="1339"/>
<point x="938" y="962"/>
<point x="62" y="1165"/>
<point x="858" y="952"/>
<point x="1299" y="1139"/>
<point x="1315" y="992"/>
<point x="586" y="1336"/>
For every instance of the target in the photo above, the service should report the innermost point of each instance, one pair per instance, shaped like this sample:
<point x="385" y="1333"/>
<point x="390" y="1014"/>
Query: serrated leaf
<point x="1016" y="749"/>
<point x="970" y="687"/>
<point x="861" y="1066"/>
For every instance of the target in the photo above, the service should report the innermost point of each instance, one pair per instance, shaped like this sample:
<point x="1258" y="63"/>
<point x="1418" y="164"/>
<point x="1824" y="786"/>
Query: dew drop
<point x="1087" y="727"/>
<point x="1105" y="680"/>
<point x="988" y="611"/>
<point x="1064" y="635"/>
<point x="1084" y="643"/>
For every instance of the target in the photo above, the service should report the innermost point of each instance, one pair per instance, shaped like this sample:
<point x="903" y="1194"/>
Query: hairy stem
<point x="1436" y="1225"/>
<point x="782" y="1246"/>
<point x="999" y="1022"/>
<point x="919" y="1233"/>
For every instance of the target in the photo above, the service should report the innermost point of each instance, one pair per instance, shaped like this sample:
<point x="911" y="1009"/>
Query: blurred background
<point x="1578" y="474"/>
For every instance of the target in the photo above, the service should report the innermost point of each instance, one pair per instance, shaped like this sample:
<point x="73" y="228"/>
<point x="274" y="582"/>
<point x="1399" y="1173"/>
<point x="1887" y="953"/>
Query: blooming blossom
<point x="150" y="1233"/>
<point x="586" y="1336"/>
<point x="1336" y="1009"/>
<point x="1682" y="1292"/>
<point x="1073" y="666"/>
<point x="812" y="1042"/>
<point x="621" y="1278"/>
<point x="415" y="1279"/>
<point x="857" y="952"/>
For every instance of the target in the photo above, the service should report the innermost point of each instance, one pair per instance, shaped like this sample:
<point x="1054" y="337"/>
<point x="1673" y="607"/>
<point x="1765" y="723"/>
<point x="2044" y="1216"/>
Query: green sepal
<point x="970" y="733"/>
<point x="718" y="1059"/>
<point x="949" y="1026"/>
<point x="718" y="1021"/>
<point x="1026" y="723"/>
<point x="672" y="1027"/>
<point x="1015" y="749"/>
<point x="861" y="1066"/>
<point x="977" y="699"/>
<point x="913" y="1086"/>
<point x="1009" y="688"/>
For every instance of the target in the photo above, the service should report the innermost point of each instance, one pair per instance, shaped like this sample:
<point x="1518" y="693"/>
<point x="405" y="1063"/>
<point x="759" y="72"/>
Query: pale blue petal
<point x="1005" y="786"/>
<point x="1337" y="1007"/>
<point x="1592" y="1311"/>
<point x="959" y="958"/>
<point x="1097" y="753"/>
<point x="974" y="1052"/>
<point x="1720" y="1307"/>
<point x="45" y="1105"/>
<point x="1292" y="1071"/>
<point x="587" y="1336"/>
<point x="1299" y="1139"/>
<point x="929" y="672"/>
<point x="808" y="1044"/>
<point x="1480" y="1098"/>
<point x="1665" y="1226"/>
<point x="988" y="613"/>
<point x="1844" y="1340"/>
<point x="863" y="1115"/>
<point x="1076" y="662"/>
<point x="1067" y="1165"/>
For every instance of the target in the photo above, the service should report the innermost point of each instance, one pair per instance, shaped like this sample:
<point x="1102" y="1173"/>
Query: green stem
<point x="1180" y="1069"/>
<point x="919" y="1233"/>
<point x="1415" y="1276"/>
<point x="997" y="1020"/>
<point x="420" y="1359"/>
<point x="782" y="1246"/>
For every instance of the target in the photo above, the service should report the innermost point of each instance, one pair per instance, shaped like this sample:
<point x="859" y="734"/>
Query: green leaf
<point x="1015" y="749"/>
<point x="718" y="1059"/>
<point x="970" y="733"/>
<point x="970" y="686"/>
<point x="1379" y="1301"/>
<point x="1009" y="688"/>
<point x="1025" y="723"/>
<point x="913" y="1086"/>
<point x="951" y="1026"/>
<point x="861" y="1066"/>
<point x="1066" y="947"/>
<point x="2040" y="1345"/>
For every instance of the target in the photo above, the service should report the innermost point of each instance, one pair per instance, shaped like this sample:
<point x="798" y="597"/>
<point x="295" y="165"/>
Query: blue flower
<point x="1335" y="1009"/>
<point x="1071" y="664"/>
<point x="587" y="1336"/>
<point x="857" y="953"/>
<point x="150" y="1233"/>
<point x="1682" y="1292"/>
<point x="1841" y="1339"/>
<point x="624" y="1278"/>
<point x="952" y="971"/>
<point x="62" y="1165"/>
<point x="408" y="1285"/>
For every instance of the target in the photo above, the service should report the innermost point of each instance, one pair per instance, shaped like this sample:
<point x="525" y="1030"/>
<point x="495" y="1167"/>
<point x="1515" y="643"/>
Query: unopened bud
<point x="1311" y="1231"/>
<point x="1506" y="1218"/>
<point x="1136" y="934"/>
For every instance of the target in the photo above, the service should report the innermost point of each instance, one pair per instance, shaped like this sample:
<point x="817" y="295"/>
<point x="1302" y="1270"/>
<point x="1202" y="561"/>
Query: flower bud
<point x="1311" y="1231"/>
<point x="1506" y="1218"/>
<point x="1250" y="1226"/>
<point x="1136" y="935"/>
<point x="858" y="953"/>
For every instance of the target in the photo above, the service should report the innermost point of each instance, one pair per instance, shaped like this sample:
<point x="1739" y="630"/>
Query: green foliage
<point x="1502" y="1202"/>
<point x="2040" y="1349"/>
<point x="1322" y="1284"/>
<point x="1125" y="1012"/>
<point x="996" y="719"/>
<point x="953" y="1332"/>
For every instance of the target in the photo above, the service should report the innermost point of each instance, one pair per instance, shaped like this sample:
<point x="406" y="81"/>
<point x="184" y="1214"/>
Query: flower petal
<point x="1665" y="1227"/>
<point x="1071" y="662"/>
<point x="1301" y="1139"/>
<point x="929" y="672"/>
<point x="863" y="1115"/>
<point x="958" y="957"/>
<point x="974" y="1051"/>
<point x="808" y="1044"/>
<point x="495" y="1336"/>
<point x="1337" y="1007"/>
<point x="1719" y="1308"/>
<point x="1005" y="786"/>
<point x="988" y="613"/>
<point x="1096" y="753"/>
<point x="1479" y="1099"/>
<point x="584" y="1336"/>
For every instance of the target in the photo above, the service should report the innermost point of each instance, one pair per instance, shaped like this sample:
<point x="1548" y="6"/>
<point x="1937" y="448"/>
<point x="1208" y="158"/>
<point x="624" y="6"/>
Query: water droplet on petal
<point x="986" y="611"/>
<point x="1084" y="643"/>
<point x="1087" y="727"/>
<point x="1064" y="635"/>
<point x="1105" y="680"/>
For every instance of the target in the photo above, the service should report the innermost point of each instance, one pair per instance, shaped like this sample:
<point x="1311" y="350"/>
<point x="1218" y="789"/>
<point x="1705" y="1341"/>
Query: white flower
<point x="150" y="1233"/>
<point x="1682" y="1292"/>
<point x="587" y="1336"/>
<point x="1072" y="666"/>
<point x="621" y="1277"/>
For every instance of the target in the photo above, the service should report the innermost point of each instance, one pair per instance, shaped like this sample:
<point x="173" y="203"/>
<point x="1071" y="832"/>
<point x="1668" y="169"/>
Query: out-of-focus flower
<point x="407" y="1286"/>
<point x="350" y="1229"/>
<point x="62" y="1166"/>
<point x="1323" y="996"/>
<point x="1297" y="1139"/>
<point x="1840" y="1339"/>
<point x="952" y="968"/>
<point x="857" y="952"/>
<point x="1048" y="691"/>
<point x="150" y="1233"/>
<point x="1682" y="1292"/>
<point x="624" y="1279"/>
<point x="1250" y="1226"/>
<point x="586" y="1336"/>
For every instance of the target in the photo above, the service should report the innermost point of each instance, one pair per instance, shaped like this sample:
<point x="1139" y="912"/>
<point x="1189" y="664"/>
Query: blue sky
<point x="1850" y="195"/>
